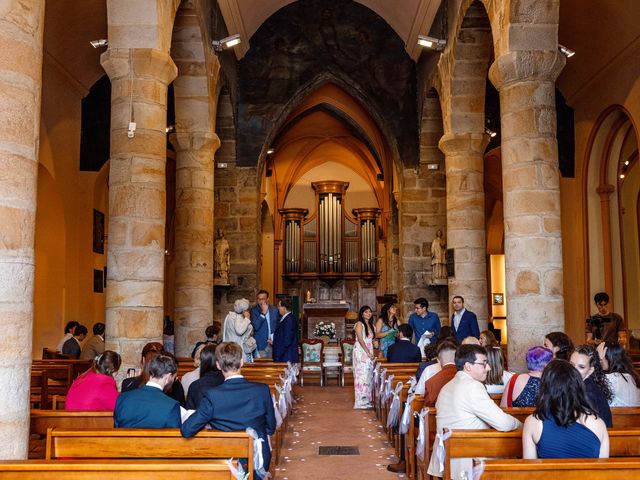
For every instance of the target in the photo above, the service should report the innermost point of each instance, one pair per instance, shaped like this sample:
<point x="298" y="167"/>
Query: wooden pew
<point x="494" y="444"/>
<point x="565" y="468"/>
<point x="115" y="470"/>
<point x="129" y="443"/>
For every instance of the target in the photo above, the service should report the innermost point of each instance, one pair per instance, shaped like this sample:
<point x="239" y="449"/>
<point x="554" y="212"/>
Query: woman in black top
<point x="585" y="359"/>
<point x="210" y="377"/>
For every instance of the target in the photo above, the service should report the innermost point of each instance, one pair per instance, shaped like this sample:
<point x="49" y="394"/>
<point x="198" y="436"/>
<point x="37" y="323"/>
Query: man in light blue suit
<point x="463" y="322"/>
<point x="148" y="406"/>
<point x="264" y="318"/>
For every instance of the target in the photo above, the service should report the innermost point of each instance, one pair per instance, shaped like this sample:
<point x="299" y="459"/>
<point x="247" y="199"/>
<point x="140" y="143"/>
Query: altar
<point x="313" y="313"/>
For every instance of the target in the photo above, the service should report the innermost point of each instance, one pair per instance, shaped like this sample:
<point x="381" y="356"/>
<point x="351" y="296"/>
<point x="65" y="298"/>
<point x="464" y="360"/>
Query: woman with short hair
<point x="522" y="390"/>
<point x="237" y="328"/>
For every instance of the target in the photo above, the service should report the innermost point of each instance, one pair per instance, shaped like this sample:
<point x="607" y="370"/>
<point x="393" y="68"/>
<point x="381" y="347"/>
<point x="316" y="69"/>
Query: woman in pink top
<point x="96" y="388"/>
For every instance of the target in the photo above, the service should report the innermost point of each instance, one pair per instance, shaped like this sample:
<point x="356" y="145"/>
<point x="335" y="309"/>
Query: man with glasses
<point x="424" y="323"/>
<point x="605" y="325"/>
<point x="464" y="403"/>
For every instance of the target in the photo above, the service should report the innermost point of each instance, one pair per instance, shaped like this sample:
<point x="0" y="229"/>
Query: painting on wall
<point x="98" y="285"/>
<point x="98" y="231"/>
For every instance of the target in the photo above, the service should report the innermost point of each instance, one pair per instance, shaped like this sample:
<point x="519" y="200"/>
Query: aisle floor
<point x="324" y="416"/>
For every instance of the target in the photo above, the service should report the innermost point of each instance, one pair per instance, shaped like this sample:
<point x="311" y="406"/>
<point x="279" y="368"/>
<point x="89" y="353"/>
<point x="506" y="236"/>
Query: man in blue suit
<point x="285" y="338"/>
<point x="264" y="318"/>
<point x="463" y="322"/>
<point x="148" y="406"/>
<point x="236" y="404"/>
<point x="403" y="351"/>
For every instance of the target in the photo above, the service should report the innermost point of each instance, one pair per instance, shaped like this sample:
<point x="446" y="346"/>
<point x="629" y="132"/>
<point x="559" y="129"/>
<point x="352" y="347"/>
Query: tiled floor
<point x="324" y="416"/>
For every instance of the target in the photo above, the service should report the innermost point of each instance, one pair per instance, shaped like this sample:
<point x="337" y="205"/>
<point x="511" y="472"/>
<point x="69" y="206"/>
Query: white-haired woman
<point x="238" y="328"/>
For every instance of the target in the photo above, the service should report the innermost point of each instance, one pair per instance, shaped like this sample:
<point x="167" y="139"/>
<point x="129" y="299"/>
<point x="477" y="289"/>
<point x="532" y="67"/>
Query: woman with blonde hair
<point x="498" y="377"/>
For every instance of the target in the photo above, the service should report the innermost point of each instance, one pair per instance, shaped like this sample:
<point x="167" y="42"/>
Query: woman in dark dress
<point x="560" y="344"/>
<point x="585" y="359"/>
<point x="210" y="377"/>
<point x="149" y="351"/>
<point x="564" y="425"/>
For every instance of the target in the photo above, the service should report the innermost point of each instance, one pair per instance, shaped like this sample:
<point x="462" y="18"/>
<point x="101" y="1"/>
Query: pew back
<point x="565" y="468"/>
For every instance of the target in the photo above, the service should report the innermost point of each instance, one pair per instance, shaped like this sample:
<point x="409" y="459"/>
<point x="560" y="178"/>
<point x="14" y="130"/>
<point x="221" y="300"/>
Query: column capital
<point x="139" y="62"/>
<point x="526" y="65"/>
<point x="185" y="141"/>
<point x="461" y="143"/>
<point x="605" y="190"/>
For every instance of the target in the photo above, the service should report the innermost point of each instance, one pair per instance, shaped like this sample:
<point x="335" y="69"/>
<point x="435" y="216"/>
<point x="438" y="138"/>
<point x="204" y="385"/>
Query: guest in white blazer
<point x="464" y="403"/>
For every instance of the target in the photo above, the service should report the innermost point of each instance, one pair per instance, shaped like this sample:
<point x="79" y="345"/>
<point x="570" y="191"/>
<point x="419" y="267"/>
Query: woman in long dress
<point x="363" y="357"/>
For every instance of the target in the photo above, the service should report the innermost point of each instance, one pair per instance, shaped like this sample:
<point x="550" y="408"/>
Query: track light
<point x="227" y="42"/>
<point x="567" y="52"/>
<point x="490" y="132"/>
<point x="271" y="151"/>
<point x="431" y="42"/>
<point x="103" y="42"/>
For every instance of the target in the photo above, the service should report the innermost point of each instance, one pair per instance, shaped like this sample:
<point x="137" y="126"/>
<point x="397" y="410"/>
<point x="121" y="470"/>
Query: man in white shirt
<point x="464" y="403"/>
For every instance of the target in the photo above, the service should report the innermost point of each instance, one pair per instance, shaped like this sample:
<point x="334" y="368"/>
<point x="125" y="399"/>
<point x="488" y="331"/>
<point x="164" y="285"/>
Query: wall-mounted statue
<point x="439" y="259"/>
<point x="221" y="260"/>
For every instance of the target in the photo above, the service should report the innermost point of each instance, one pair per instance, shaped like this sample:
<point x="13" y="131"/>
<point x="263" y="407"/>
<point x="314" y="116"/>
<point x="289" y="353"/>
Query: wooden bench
<point x="130" y="443"/>
<point x="564" y="468"/>
<point x="115" y="470"/>
<point x="491" y="443"/>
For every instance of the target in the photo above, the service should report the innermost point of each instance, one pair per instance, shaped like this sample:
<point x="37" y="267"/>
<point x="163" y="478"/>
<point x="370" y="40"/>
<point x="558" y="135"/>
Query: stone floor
<point x="324" y="416"/>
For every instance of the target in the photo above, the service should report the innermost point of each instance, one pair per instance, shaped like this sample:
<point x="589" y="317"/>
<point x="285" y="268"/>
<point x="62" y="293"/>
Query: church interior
<point x="327" y="148"/>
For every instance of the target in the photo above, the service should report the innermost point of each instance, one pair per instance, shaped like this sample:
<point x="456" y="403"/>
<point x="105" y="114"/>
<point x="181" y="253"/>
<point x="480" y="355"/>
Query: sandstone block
<point x="145" y="235"/>
<point x="136" y="293"/>
<point x="527" y="282"/>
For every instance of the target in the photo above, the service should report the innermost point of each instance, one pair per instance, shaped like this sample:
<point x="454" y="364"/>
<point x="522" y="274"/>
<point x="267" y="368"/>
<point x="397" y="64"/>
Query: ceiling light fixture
<point x="227" y="42"/>
<point x="567" y="52"/>
<point x="431" y="42"/>
<point x="271" y="151"/>
<point x="103" y="42"/>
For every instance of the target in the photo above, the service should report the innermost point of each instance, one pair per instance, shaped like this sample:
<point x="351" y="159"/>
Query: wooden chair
<point x="311" y="359"/>
<point x="346" y="348"/>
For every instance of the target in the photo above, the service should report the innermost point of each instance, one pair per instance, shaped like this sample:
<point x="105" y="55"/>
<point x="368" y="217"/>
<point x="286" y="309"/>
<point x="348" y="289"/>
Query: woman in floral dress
<point x="363" y="358"/>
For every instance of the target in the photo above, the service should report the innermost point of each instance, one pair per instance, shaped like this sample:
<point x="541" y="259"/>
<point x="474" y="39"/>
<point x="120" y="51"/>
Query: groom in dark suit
<point x="463" y="322"/>
<point x="285" y="338"/>
<point x="264" y="318"/>
<point x="236" y="404"/>
<point x="148" y="406"/>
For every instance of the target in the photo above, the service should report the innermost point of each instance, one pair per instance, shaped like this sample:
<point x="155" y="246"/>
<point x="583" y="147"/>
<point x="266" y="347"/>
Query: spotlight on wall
<point x="271" y="151"/>
<point x="567" y="52"/>
<point x="103" y="42"/>
<point x="170" y="128"/>
<point x="431" y="42"/>
<point x="490" y="132"/>
<point x="227" y="42"/>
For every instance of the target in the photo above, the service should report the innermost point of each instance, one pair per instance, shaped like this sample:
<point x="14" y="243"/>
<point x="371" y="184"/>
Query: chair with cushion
<point x="311" y="359"/>
<point x="346" y="349"/>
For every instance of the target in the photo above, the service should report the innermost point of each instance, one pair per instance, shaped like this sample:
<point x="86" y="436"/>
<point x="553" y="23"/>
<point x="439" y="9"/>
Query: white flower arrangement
<point x="325" y="330"/>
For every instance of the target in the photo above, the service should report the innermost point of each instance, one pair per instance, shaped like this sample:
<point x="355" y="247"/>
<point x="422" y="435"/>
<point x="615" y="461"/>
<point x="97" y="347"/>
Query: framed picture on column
<point x="98" y="231"/>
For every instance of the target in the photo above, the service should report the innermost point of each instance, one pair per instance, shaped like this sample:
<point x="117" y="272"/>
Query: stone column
<point x="194" y="237"/>
<point x="21" y="25"/>
<point x="531" y="183"/>
<point x="464" y="166"/>
<point x="134" y="303"/>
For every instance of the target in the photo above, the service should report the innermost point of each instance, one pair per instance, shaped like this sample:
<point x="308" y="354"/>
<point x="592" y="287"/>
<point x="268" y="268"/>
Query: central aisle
<point x="324" y="416"/>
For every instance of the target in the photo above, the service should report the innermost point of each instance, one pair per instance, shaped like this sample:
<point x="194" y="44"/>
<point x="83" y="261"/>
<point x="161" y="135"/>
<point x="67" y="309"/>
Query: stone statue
<point x="438" y="259"/>
<point x="221" y="259"/>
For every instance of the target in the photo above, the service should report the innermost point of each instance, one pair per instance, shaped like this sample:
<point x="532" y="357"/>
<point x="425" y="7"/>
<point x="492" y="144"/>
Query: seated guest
<point x="488" y="339"/>
<point x="210" y="376"/>
<point x="148" y="406"/>
<point x="174" y="389"/>
<point x="403" y="351"/>
<point x="430" y="370"/>
<point x="560" y="344"/>
<point x="463" y="403"/>
<point x="498" y="377"/>
<point x="212" y="333"/>
<point x="73" y="346"/>
<point x="236" y="404"/>
<point x="563" y="425"/>
<point x="430" y="356"/>
<point x="470" y="341"/>
<point x="522" y="389"/>
<point x="622" y="377"/>
<point x="68" y="333"/>
<point x="95" y="345"/>
<point x="585" y="359"/>
<point x="447" y="359"/>
<point x="193" y="375"/>
<point x="96" y="388"/>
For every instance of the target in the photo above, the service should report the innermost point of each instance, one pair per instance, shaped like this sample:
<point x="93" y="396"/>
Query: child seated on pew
<point x="95" y="389"/>
<point x="564" y="425"/>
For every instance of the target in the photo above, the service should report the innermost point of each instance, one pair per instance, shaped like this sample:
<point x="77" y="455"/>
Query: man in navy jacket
<point x="236" y="404"/>
<point x="285" y="338"/>
<point x="264" y="318"/>
<point x="148" y="406"/>
<point x="403" y="351"/>
<point x="463" y="322"/>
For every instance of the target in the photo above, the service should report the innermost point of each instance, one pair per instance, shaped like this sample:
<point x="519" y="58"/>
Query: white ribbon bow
<point x="406" y="415"/>
<point x="412" y="385"/>
<point x="238" y="473"/>
<point x="282" y="401"/>
<point x="439" y="448"/>
<point x="258" y="460"/>
<point x="392" y="418"/>
<point x="276" y="411"/>
<point x="423" y="433"/>
<point x="387" y="387"/>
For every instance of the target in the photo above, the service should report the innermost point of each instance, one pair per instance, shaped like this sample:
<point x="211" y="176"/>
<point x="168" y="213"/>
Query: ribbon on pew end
<point x="387" y="389"/>
<point x="258" y="460"/>
<point x="238" y="473"/>
<point x="412" y="385"/>
<point x="282" y="402"/>
<point x="438" y="457"/>
<point x="276" y="411"/>
<point x="407" y="415"/>
<point x="392" y="418"/>
<point x="423" y="433"/>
